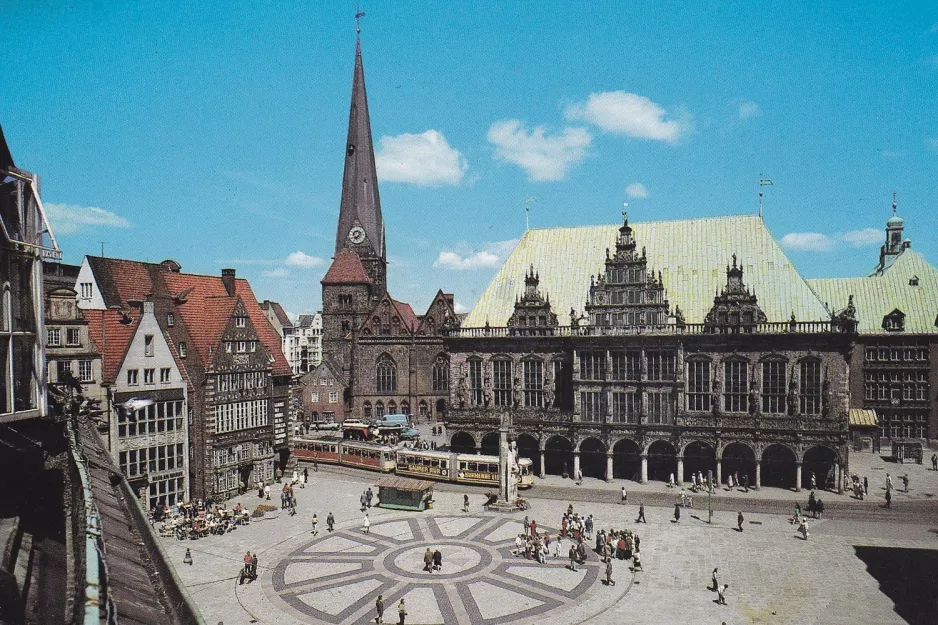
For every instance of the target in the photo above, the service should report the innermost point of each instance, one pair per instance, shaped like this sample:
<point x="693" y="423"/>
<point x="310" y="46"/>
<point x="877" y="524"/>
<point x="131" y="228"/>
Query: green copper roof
<point x="692" y="255"/>
<point x="877" y="296"/>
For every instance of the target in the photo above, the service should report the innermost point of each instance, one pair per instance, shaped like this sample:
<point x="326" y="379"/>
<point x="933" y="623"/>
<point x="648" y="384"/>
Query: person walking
<point x="905" y="483"/>
<point x="330" y="523"/>
<point x="813" y="481"/>
<point x="267" y="492"/>
<point x="804" y="529"/>
<point x="401" y="612"/>
<point x="641" y="514"/>
<point x="366" y="524"/>
<point x="721" y="594"/>
<point x="428" y="560"/>
<point x="609" y="580"/>
<point x="573" y="556"/>
<point x="438" y="560"/>
<point x="379" y="608"/>
<point x="465" y="503"/>
<point x="315" y="525"/>
<point x="369" y="496"/>
<point x="253" y="566"/>
<point x="934" y="462"/>
<point x="364" y="501"/>
<point x="820" y="508"/>
<point x="888" y="482"/>
<point x="716" y="583"/>
<point x="888" y="498"/>
<point x="625" y="497"/>
<point x="187" y="559"/>
<point x="866" y="486"/>
<point x="677" y="513"/>
<point x="739" y="520"/>
<point x="306" y="474"/>
<point x="579" y="478"/>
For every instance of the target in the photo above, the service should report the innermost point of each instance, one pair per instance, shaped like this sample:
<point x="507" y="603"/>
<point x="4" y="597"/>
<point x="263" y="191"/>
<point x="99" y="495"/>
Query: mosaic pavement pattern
<point x="335" y="578"/>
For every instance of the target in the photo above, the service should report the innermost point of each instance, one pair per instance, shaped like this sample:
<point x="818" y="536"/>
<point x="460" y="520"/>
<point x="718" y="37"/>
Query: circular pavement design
<point x="335" y="578"/>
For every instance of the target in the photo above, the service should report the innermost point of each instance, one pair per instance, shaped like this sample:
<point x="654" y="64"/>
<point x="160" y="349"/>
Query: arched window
<point x="379" y="409"/>
<point x="366" y="409"/>
<point x="385" y="374"/>
<point x="405" y="407"/>
<point x="441" y="374"/>
<point x="422" y="408"/>
<point x="392" y="407"/>
<point x="735" y="385"/>
<point x="811" y="387"/>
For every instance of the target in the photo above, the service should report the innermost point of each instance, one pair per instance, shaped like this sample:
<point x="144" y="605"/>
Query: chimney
<point x="228" y="279"/>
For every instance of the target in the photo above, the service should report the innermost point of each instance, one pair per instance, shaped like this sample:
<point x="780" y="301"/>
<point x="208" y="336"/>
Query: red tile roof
<point x="346" y="268"/>
<point x="407" y="315"/>
<point x="121" y="281"/>
<point x="278" y="311"/>
<point x="112" y="337"/>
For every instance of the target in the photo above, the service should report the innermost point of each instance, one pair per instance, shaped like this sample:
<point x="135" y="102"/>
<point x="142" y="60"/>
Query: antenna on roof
<point x="763" y="182"/>
<point x="527" y="212"/>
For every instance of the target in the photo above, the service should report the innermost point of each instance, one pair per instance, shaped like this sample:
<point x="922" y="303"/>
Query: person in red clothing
<point x="533" y="528"/>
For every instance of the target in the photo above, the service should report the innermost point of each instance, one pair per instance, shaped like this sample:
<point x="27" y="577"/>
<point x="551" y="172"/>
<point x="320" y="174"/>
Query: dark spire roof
<point x="361" y="205"/>
<point x="6" y="159"/>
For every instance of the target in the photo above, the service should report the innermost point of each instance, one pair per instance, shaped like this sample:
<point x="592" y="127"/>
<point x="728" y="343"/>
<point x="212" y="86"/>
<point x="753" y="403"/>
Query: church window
<point x="698" y="385"/>
<point x="386" y="374"/>
<point x="475" y="381"/>
<point x="379" y="409"/>
<point x="625" y="407"/>
<point x="774" y="387"/>
<point x="345" y="300"/>
<point x="533" y="384"/>
<point x="405" y="407"/>
<point x="661" y="364"/>
<point x="735" y="385"/>
<point x="502" y="382"/>
<point x="592" y="406"/>
<point x="627" y="365"/>
<point x="592" y="365"/>
<point x="366" y="410"/>
<point x="659" y="407"/>
<point x="440" y="374"/>
<point x="392" y="407"/>
<point x="810" y="399"/>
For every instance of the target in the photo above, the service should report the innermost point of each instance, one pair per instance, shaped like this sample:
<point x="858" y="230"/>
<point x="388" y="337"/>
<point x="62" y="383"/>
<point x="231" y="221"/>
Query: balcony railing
<point x="781" y="327"/>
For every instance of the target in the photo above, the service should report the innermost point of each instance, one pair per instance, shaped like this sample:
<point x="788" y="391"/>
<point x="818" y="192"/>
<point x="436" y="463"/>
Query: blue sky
<point x="216" y="137"/>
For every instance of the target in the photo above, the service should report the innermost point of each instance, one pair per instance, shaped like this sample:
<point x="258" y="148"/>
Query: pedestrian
<point x="369" y="496"/>
<point x="638" y="543"/>
<point x="303" y="479"/>
<point x="721" y="594"/>
<point x="677" y="513"/>
<point x="609" y="580"/>
<point x="625" y="496"/>
<point x="905" y="483"/>
<point x="866" y="485"/>
<point x="745" y="482"/>
<point x="739" y="520"/>
<point x="428" y="560"/>
<point x="379" y="608"/>
<point x="246" y="571"/>
<point x="315" y="466"/>
<point x="579" y="478"/>
<point x="641" y="514"/>
<point x="315" y="525"/>
<point x="888" y="498"/>
<point x="306" y="474"/>
<point x="187" y="559"/>
<point x="572" y="555"/>
<point x="716" y="584"/>
<point x="671" y="481"/>
<point x="888" y="482"/>
<point x="813" y="481"/>
<point x="330" y="522"/>
<point x="934" y="462"/>
<point x="465" y="503"/>
<point x="364" y="501"/>
<point x="804" y="529"/>
<point x="820" y="509"/>
<point x="366" y="524"/>
<point x="438" y="560"/>
<point x="267" y="492"/>
<point x="401" y="612"/>
<point x="253" y="566"/>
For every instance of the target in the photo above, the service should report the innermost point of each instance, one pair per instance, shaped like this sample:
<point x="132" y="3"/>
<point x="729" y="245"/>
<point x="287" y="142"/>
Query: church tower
<point x="357" y="278"/>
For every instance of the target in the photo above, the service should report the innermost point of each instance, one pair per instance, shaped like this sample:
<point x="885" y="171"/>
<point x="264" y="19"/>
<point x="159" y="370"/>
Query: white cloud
<point x="69" y="218"/>
<point x="807" y="242"/>
<point x="462" y="257"/>
<point x="426" y="160"/>
<point x="542" y="157"/>
<point x="748" y="110"/>
<point x="636" y="190"/>
<point x="459" y="307"/>
<point x="301" y="259"/>
<point x="629" y="114"/>
<point x="863" y="238"/>
<point x="279" y="272"/>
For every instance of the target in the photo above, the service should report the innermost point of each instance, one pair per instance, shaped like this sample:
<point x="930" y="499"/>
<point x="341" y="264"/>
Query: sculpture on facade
<point x="516" y="392"/>
<point x="549" y="388"/>
<point x="793" y="394"/>
<point x="715" y="397"/>
<point x="487" y="392"/>
<point x="462" y="388"/>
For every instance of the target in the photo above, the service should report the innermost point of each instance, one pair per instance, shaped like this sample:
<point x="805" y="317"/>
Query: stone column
<point x="608" y="466"/>
<point x="719" y="472"/>
<point x="644" y="468"/>
<point x="543" y="465"/>
<point x="576" y="464"/>
<point x="758" y="474"/>
<point x="680" y="471"/>
<point x="839" y="472"/>
<point x="798" y="477"/>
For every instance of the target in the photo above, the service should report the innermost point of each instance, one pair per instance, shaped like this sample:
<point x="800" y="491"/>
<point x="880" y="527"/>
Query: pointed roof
<point x="6" y="158"/>
<point x="361" y="204"/>
<point x="112" y="331"/>
<point x="346" y="268"/>
<point x="121" y="281"/>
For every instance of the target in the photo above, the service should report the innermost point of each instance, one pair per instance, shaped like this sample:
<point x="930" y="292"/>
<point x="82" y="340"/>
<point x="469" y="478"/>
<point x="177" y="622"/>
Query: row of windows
<point x="54" y="337"/>
<point x="627" y="365"/>
<point x="896" y="354"/>
<point x="629" y="318"/>
<point x="239" y="381"/>
<point x="240" y="346"/>
<point x="620" y="275"/>
<point x="881" y="391"/>
<point x="231" y="479"/>
<point x="65" y="368"/>
<point x="736" y="386"/>
<point x="626" y="407"/>
<point x="903" y="425"/>
<point x="333" y="397"/>
<point x="149" y="376"/>
<point x="919" y="375"/>
<point x="242" y="451"/>
<point x="241" y="415"/>
<point x="162" y="416"/>
<point x="167" y="492"/>
<point x="151" y="459"/>
<point x="380" y="410"/>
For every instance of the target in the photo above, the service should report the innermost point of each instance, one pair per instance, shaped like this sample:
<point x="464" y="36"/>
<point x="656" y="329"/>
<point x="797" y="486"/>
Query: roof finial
<point x="625" y="213"/>
<point x="359" y="14"/>
<point x="894" y="204"/>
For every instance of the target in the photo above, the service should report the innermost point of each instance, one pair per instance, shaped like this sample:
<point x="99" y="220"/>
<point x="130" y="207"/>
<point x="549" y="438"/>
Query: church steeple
<point x="361" y="227"/>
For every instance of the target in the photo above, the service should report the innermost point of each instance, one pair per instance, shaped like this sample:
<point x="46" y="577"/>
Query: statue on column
<point x="513" y="471"/>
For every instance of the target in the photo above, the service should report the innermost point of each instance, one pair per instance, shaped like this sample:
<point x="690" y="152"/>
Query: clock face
<point x="356" y="235"/>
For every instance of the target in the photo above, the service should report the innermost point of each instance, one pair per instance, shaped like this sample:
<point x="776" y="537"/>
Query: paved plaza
<point x="774" y="576"/>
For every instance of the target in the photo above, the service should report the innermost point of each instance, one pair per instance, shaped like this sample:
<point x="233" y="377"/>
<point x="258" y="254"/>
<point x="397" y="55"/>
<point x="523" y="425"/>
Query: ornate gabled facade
<point x="735" y="309"/>
<point x="533" y="314"/>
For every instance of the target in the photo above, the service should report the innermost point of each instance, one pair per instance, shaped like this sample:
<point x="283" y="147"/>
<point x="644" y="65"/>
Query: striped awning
<point x="863" y="418"/>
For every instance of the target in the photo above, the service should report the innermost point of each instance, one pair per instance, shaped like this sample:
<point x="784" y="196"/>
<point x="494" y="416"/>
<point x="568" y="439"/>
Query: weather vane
<point x="763" y="182"/>
<point x="359" y="14"/>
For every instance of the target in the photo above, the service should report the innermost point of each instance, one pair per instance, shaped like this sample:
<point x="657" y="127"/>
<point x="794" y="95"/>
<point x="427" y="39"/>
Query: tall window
<point x="735" y="385"/>
<point x="392" y="407"/>
<point x="73" y="337"/>
<point x="86" y="290"/>
<point x="627" y="365"/>
<point x="366" y="410"/>
<point x="533" y="384"/>
<point x="170" y="319"/>
<point x="592" y="365"/>
<point x="698" y="385"/>
<point x="133" y="377"/>
<point x="661" y="364"/>
<point x="379" y="409"/>
<point x="810" y="387"/>
<point x="53" y="337"/>
<point x="774" y="387"/>
<point x="84" y="371"/>
<point x="386" y="374"/>
<point x="183" y="350"/>
<point x="476" y="389"/>
<point x="659" y="407"/>
<point x="592" y="406"/>
<point x="148" y="376"/>
<point x="148" y="345"/>
<point x="440" y="374"/>
<point x="501" y="370"/>
<point x="164" y="375"/>
<point x="625" y="407"/>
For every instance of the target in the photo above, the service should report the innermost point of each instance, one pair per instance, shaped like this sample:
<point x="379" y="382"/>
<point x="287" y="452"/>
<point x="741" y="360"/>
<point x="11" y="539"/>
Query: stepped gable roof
<point x="878" y="295"/>
<point x="208" y="308"/>
<point x="691" y="255"/>
<point x="279" y="313"/>
<point x="346" y="268"/>
<point x="112" y="337"/>
<point x="121" y="281"/>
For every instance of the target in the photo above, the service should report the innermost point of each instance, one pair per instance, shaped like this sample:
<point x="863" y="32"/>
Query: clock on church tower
<point x="356" y="235"/>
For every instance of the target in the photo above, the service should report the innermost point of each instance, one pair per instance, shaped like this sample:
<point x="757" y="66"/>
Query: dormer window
<point x="913" y="281"/>
<point x="240" y="322"/>
<point x="183" y="350"/>
<point x="170" y="319"/>
<point x="894" y="321"/>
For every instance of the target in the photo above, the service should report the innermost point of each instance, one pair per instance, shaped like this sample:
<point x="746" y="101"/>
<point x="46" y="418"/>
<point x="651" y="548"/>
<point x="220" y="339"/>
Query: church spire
<point x="360" y="222"/>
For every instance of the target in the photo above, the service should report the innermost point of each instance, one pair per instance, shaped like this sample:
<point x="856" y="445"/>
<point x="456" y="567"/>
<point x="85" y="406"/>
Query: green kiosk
<point x="401" y="493"/>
